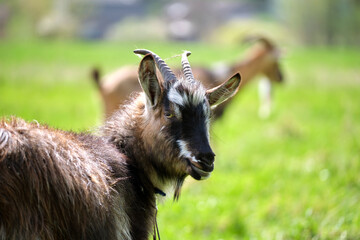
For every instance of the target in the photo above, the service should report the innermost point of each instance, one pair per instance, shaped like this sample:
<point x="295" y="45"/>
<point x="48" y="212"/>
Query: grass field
<point x="295" y="175"/>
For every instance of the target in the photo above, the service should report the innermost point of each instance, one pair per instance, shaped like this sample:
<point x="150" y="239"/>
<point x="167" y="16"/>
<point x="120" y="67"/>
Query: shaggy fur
<point x="62" y="185"/>
<point x="53" y="180"/>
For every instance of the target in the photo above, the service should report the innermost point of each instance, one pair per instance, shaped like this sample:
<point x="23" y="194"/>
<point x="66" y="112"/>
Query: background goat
<point x="63" y="185"/>
<point x="116" y="87"/>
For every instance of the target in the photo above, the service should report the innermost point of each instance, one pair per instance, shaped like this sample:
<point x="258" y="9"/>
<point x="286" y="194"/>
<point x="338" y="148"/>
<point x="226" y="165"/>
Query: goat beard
<point x="178" y="185"/>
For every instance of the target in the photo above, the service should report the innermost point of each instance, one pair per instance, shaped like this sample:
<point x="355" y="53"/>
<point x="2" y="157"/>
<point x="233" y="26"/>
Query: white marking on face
<point x="196" y="93"/>
<point x="184" y="151"/>
<point x="198" y="96"/>
<point x="207" y="113"/>
<point x="175" y="97"/>
<point x="206" y="110"/>
<point x="177" y="111"/>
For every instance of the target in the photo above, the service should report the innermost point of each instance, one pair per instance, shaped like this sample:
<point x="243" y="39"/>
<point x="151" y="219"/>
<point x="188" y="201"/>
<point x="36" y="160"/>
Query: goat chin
<point x="196" y="172"/>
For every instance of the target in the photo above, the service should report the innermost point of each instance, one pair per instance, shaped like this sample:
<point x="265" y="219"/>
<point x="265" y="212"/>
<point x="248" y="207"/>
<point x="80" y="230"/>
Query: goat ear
<point x="223" y="92"/>
<point x="149" y="81"/>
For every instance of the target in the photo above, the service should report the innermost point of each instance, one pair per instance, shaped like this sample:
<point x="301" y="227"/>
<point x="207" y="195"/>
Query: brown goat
<point x="116" y="87"/>
<point x="64" y="185"/>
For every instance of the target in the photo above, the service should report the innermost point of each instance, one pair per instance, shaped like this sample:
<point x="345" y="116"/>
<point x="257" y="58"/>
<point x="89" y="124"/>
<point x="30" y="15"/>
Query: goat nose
<point x="207" y="158"/>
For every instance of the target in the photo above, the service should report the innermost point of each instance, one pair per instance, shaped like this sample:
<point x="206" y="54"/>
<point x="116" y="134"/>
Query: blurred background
<point x="292" y="175"/>
<point x="324" y="22"/>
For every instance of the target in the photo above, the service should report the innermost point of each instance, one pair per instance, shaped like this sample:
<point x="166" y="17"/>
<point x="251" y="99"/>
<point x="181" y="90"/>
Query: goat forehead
<point x="185" y="93"/>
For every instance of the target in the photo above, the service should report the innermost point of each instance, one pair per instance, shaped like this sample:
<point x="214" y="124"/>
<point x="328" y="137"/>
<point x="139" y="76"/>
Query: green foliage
<point x="294" y="175"/>
<point x="322" y="22"/>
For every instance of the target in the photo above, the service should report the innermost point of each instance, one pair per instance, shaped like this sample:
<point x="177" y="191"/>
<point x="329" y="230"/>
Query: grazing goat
<point x="63" y="185"/>
<point x="116" y="87"/>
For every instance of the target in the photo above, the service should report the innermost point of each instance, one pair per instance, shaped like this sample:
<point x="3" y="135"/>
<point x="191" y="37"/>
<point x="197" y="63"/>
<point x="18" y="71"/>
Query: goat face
<point x="182" y="109"/>
<point x="273" y="71"/>
<point x="272" y="68"/>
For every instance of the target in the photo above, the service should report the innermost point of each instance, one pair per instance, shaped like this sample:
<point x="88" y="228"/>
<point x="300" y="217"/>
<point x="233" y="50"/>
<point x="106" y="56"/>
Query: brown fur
<point x="70" y="186"/>
<point x="63" y="185"/>
<point x="57" y="179"/>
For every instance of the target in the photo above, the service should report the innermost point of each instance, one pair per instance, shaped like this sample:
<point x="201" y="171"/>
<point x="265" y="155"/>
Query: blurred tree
<point x="24" y="16"/>
<point x="322" y="22"/>
<point x="5" y="15"/>
<point x="35" y="9"/>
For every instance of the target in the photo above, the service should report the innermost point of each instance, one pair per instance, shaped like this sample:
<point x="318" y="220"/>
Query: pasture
<point x="295" y="175"/>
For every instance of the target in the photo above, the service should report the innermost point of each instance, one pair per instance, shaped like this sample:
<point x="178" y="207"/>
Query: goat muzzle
<point x="201" y="166"/>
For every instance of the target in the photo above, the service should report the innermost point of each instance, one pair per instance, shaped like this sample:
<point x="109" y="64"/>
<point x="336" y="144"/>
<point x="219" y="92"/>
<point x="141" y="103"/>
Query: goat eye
<point x="169" y="115"/>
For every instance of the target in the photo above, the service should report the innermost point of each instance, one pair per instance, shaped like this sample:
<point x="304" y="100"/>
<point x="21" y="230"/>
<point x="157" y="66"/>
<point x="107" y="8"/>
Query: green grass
<point x="295" y="175"/>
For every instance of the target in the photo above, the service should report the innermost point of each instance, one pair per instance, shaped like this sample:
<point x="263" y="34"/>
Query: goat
<point x="64" y="185"/>
<point x="116" y="87"/>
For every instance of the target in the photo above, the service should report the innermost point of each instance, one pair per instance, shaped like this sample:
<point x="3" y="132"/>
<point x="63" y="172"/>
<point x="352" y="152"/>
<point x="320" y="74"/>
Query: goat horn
<point x="186" y="66"/>
<point x="165" y="70"/>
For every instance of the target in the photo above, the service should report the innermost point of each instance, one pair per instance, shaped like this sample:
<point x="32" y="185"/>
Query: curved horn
<point x="186" y="66"/>
<point x="165" y="70"/>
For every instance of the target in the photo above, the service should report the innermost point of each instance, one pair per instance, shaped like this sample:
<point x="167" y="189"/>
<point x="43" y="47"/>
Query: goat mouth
<point x="199" y="170"/>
